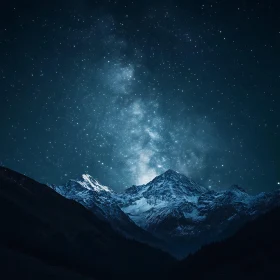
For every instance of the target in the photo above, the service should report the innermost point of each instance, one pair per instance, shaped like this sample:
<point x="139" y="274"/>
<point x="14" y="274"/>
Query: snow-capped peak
<point x="171" y="171"/>
<point x="177" y="180"/>
<point x="91" y="184"/>
<point x="174" y="176"/>
<point x="171" y="174"/>
<point x="237" y="188"/>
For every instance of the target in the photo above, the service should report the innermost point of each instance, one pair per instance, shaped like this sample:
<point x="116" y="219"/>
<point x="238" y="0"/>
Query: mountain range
<point x="44" y="235"/>
<point x="172" y="212"/>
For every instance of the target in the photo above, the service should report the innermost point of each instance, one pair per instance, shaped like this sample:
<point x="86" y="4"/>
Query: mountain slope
<point x="102" y="201"/>
<point x="42" y="233"/>
<point x="252" y="253"/>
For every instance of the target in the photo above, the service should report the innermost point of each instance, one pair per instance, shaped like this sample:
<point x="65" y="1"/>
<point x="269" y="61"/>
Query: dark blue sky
<point x="124" y="91"/>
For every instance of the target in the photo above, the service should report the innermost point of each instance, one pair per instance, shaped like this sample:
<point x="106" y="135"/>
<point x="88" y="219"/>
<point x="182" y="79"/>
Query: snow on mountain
<point x="92" y="184"/>
<point x="172" y="208"/>
<point x="102" y="201"/>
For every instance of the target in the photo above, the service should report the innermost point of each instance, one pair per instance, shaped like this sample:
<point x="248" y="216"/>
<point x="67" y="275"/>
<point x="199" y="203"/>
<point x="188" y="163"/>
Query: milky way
<point x="143" y="140"/>
<point x="124" y="90"/>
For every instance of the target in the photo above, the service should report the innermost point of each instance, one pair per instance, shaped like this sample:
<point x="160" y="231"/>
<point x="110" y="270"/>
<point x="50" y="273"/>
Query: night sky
<point x="124" y="90"/>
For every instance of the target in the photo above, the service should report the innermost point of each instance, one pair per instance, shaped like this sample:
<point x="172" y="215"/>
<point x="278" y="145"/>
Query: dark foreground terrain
<point x="45" y="236"/>
<point x="252" y="253"/>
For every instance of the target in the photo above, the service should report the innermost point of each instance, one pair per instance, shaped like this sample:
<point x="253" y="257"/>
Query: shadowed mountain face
<point x="45" y="236"/>
<point x="172" y="211"/>
<point x="252" y="253"/>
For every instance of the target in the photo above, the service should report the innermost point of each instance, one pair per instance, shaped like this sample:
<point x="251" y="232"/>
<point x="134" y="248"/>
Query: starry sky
<point x="124" y="90"/>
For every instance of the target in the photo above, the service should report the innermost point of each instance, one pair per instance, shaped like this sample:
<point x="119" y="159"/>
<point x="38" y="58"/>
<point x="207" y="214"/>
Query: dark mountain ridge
<point x="40" y="226"/>
<point x="252" y="253"/>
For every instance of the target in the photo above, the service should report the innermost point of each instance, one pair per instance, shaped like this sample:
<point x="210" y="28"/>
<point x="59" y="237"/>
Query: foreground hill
<point x="252" y="253"/>
<point x="45" y="236"/>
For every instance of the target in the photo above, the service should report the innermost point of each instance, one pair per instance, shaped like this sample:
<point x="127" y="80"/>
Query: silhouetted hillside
<point x="45" y="236"/>
<point x="252" y="253"/>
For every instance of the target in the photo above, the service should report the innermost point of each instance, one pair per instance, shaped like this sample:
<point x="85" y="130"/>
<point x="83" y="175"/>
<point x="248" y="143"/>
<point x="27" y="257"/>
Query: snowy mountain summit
<point x="172" y="211"/>
<point x="174" y="185"/>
